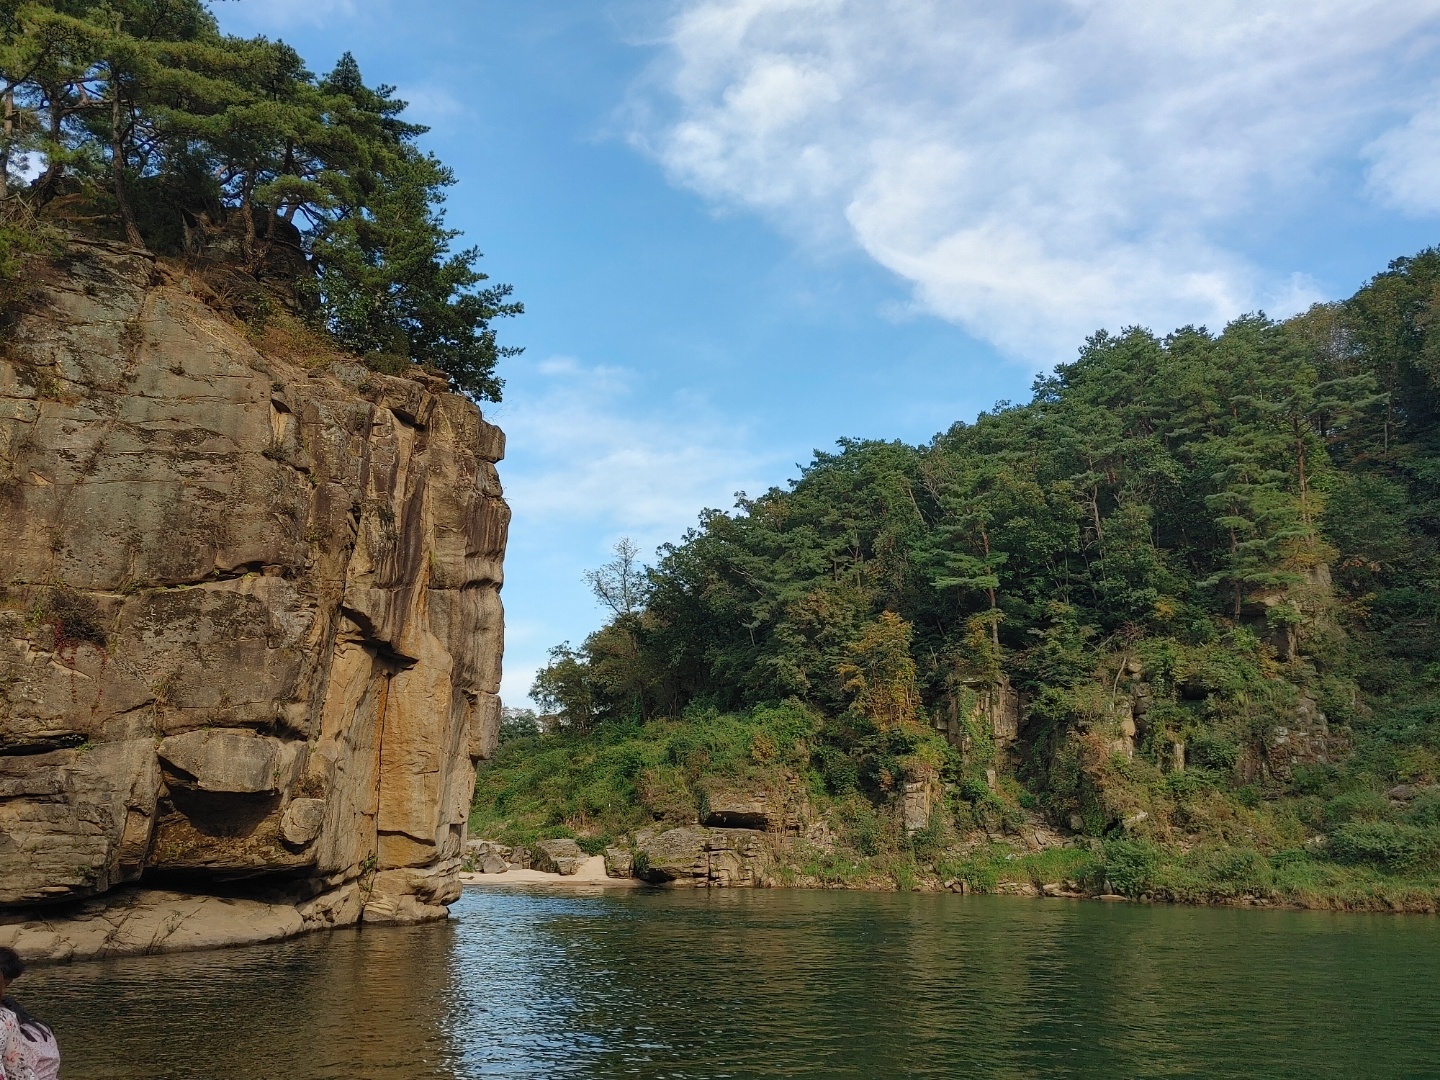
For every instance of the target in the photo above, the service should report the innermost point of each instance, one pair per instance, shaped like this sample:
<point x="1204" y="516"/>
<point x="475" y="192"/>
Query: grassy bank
<point x="1329" y="840"/>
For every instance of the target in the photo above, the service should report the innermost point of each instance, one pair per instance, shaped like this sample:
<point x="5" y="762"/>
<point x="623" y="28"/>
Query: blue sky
<point x="743" y="229"/>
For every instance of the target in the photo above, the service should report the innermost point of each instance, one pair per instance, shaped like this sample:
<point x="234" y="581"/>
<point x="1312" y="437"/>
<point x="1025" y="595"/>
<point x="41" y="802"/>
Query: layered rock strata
<point x="703" y="858"/>
<point x="250" y="619"/>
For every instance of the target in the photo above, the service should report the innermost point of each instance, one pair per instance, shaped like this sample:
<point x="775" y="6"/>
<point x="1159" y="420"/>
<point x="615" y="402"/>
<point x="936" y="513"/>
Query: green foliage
<point x="518" y="724"/>
<point x="563" y="688"/>
<point x="1177" y="554"/>
<point x="622" y="777"/>
<point x="1130" y="865"/>
<point x="1163" y="499"/>
<point x="880" y="673"/>
<point x="1425" y="810"/>
<point x="864" y="829"/>
<point x="182" y="136"/>
<point x="1210" y="750"/>
<point x="985" y="868"/>
<point x="1362" y="805"/>
<point x="1387" y="845"/>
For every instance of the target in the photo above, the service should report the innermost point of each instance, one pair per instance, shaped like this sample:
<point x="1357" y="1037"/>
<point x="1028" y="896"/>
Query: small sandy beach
<point x="591" y="872"/>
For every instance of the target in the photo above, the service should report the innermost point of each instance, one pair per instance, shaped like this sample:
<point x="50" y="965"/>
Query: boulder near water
<point x="702" y="857"/>
<point x="619" y="862"/>
<point x="558" y="857"/>
<point x="250" y="618"/>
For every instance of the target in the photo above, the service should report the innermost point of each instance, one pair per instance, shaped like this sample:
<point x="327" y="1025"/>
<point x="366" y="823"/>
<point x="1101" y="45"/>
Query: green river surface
<point x="526" y="982"/>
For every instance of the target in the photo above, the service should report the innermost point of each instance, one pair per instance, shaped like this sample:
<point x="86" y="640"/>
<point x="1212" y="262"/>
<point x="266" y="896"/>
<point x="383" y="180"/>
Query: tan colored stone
<point x="619" y="862"/>
<point x="145" y="921"/>
<point x="412" y="895"/>
<point x="484" y="725"/>
<point x="302" y="821"/>
<point x="557" y="857"/>
<point x="229" y="760"/>
<point x="249" y="615"/>
<point x="730" y="808"/>
<point x="996" y="709"/>
<point x="915" y="805"/>
<point x="338" y="907"/>
<point x="702" y="857"/>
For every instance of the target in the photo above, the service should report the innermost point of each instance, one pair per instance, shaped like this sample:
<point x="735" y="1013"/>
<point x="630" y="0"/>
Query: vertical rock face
<point x="250" y="622"/>
<point x="994" y="711"/>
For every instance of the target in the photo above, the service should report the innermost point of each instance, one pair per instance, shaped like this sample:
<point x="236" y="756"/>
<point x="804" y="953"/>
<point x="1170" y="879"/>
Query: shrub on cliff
<point x="1129" y="865"/>
<point x="1384" y="844"/>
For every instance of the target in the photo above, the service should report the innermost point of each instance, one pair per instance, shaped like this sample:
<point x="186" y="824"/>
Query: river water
<point x="773" y="983"/>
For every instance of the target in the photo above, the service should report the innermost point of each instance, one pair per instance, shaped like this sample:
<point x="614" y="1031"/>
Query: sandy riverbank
<point x="591" y="872"/>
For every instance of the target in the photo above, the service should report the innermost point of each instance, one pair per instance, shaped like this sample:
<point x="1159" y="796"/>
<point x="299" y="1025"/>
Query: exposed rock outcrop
<point x="250" y="623"/>
<point x="702" y="857"/>
<point x="156" y="921"/>
<point x="1306" y="740"/>
<point x="919" y="799"/>
<point x="992" y="713"/>
<point x="731" y="808"/>
<point x="486" y="857"/>
<point x="557" y="857"/>
<point x="619" y="862"/>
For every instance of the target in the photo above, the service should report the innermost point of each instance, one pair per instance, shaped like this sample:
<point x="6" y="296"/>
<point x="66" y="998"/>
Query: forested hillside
<point x="140" y="121"/>
<point x="1183" y="601"/>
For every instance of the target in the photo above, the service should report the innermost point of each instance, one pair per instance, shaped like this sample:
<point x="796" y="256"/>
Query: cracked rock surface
<point x="250" y="619"/>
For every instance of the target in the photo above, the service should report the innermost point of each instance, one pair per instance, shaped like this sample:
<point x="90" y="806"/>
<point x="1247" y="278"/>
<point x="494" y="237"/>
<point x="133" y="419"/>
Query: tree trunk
<point x="994" y="623"/>
<point x="117" y="162"/>
<point x="5" y="148"/>
<point x="1235" y="562"/>
<point x="50" y="179"/>
<point x="247" y="211"/>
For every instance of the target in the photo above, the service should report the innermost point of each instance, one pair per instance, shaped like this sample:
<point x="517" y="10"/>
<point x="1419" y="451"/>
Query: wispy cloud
<point x="1040" y="168"/>
<point x="1405" y="163"/>
<point x="526" y="644"/>
<point x="599" y="450"/>
<point x="431" y="104"/>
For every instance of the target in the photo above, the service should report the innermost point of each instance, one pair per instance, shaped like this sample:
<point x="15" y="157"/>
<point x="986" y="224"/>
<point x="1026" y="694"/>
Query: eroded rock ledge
<point x="250" y="623"/>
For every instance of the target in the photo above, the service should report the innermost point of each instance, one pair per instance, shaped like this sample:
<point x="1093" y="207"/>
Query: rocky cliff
<point x="250" y="622"/>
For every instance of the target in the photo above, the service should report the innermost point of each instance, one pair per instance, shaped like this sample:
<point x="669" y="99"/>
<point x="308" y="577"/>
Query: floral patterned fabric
<point x="15" y="1058"/>
<point x="44" y="1055"/>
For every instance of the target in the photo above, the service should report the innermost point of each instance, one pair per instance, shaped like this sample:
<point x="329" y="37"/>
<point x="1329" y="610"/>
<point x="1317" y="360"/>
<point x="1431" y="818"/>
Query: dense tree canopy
<point x="175" y="130"/>
<point x="1251" y="515"/>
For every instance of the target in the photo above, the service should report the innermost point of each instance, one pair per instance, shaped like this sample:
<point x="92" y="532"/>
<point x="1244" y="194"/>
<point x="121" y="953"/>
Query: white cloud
<point x="591" y="455"/>
<point x="431" y="104"/>
<point x="1406" y="163"/>
<point x="1039" y="168"/>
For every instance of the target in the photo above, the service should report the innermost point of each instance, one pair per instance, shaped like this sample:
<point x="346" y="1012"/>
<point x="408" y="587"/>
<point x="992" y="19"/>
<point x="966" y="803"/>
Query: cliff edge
<point x="250" y="623"/>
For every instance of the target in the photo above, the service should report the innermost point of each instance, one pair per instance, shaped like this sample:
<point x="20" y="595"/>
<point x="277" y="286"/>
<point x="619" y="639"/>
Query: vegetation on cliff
<point x="139" y="117"/>
<point x="1181" y="606"/>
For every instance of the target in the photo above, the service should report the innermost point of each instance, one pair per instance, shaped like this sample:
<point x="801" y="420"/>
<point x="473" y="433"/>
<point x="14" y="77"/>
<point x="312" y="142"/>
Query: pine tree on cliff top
<point x="144" y="103"/>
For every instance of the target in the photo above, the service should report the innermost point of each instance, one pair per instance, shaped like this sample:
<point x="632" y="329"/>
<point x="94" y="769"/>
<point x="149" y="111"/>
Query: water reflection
<point x="741" y="984"/>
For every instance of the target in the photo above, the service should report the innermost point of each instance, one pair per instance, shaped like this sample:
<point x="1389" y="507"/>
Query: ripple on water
<point x="772" y="983"/>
